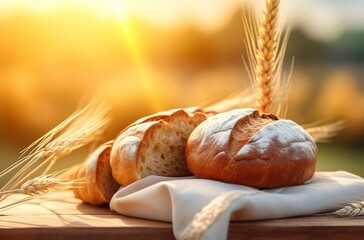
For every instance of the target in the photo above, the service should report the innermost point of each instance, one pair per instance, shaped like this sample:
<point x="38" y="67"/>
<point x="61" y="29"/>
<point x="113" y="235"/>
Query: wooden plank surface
<point x="60" y="216"/>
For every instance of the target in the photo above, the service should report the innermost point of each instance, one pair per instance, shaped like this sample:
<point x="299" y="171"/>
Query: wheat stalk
<point x="266" y="48"/>
<point x="208" y="215"/>
<point x="265" y="54"/>
<point x="76" y="131"/>
<point x="241" y="99"/>
<point x="352" y="210"/>
<point x="40" y="185"/>
<point x="44" y="184"/>
<point x="323" y="133"/>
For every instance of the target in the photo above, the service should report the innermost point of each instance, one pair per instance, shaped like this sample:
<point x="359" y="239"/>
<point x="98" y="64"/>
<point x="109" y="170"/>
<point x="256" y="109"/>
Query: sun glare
<point x="119" y="10"/>
<point x="145" y="77"/>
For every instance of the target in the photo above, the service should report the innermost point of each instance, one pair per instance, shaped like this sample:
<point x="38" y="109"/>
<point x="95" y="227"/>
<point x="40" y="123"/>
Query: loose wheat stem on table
<point x="76" y="131"/>
<point x="352" y="210"/>
<point x="40" y="185"/>
<point x="43" y="184"/>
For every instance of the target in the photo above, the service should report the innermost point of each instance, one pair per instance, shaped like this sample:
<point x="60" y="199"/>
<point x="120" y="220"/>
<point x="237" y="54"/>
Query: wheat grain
<point x="265" y="54"/>
<point x="208" y="215"/>
<point x="76" y="131"/>
<point x="323" y="133"/>
<point x="352" y="210"/>
<point x="242" y="99"/>
<point x="40" y="185"/>
<point x="47" y="183"/>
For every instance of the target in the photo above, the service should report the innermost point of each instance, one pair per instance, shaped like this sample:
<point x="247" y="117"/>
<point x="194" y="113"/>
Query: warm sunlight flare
<point x="137" y="57"/>
<point x="143" y="56"/>
<point x="208" y="14"/>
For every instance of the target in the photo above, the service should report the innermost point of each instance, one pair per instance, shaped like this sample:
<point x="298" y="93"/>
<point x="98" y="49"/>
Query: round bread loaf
<point x="242" y="147"/>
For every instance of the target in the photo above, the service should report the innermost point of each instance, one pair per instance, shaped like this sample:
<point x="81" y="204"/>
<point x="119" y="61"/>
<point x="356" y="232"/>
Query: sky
<point x="321" y="19"/>
<point x="328" y="19"/>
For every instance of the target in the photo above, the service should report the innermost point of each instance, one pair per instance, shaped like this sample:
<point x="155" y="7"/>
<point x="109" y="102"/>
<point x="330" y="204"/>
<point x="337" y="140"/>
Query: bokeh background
<point x="144" y="56"/>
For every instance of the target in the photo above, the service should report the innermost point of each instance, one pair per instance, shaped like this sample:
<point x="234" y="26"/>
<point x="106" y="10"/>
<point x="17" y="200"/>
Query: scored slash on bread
<point x="96" y="172"/>
<point x="242" y="147"/>
<point x="154" y="145"/>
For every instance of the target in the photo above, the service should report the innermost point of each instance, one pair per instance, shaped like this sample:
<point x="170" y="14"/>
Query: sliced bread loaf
<point x="96" y="172"/>
<point x="154" y="145"/>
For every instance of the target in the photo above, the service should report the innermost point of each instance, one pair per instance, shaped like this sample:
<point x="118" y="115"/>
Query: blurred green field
<point x="337" y="158"/>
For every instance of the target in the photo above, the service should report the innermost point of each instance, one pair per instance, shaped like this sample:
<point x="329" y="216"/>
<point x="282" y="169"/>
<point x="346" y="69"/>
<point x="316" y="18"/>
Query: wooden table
<point x="60" y="216"/>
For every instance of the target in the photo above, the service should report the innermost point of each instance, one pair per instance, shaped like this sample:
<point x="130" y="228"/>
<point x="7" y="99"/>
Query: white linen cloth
<point x="202" y="209"/>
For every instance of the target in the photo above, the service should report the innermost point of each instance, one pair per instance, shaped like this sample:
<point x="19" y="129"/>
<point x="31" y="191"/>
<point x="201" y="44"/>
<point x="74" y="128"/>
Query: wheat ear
<point x="265" y="55"/>
<point x="242" y="99"/>
<point x="324" y="133"/>
<point x="40" y="185"/>
<point x="266" y="48"/>
<point x="352" y="210"/>
<point x="76" y="131"/>
<point x="44" y="184"/>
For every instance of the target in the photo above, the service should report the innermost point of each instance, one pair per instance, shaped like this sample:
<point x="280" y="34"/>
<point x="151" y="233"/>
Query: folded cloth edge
<point x="233" y="200"/>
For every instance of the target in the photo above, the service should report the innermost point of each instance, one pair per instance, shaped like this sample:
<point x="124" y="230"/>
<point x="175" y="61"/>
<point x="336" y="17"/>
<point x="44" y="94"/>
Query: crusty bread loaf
<point x="96" y="172"/>
<point x="154" y="145"/>
<point x="242" y="147"/>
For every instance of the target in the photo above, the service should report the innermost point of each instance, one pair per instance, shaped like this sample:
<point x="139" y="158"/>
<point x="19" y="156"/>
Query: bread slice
<point x="154" y="145"/>
<point x="96" y="172"/>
